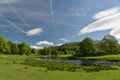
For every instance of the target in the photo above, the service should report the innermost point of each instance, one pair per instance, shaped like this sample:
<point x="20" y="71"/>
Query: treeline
<point x="65" y="49"/>
<point x="87" y="47"/>
<point x="8" y="47"/>
<point x="108" y="45"/>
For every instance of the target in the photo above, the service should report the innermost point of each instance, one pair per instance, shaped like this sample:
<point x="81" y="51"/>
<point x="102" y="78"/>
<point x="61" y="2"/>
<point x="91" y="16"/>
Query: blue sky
<point x="43" y="23"/>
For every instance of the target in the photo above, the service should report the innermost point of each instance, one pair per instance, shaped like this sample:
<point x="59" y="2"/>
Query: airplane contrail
<point x="15" y="26"/>
<point x="51" y="11"/>
<point x="12" y="23"/>
<point x="16" y="12"/>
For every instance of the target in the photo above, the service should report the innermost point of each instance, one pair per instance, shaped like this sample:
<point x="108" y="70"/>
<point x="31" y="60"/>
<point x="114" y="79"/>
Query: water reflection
<point x="86" y="62"/>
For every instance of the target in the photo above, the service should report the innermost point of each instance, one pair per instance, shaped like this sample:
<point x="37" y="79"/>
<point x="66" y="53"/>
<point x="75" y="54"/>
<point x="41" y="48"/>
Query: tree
<point x="55" y="52"/>
<point x="110" y="44"/>
<point x="4" y="47"/>
<point x="87" y="47"/>
<point x="24" y="49"/>
<point x="34" y="51"/>
<point x="14" y="48"/>
<point x="45" y="51"/>
<point x="99" y="50"/>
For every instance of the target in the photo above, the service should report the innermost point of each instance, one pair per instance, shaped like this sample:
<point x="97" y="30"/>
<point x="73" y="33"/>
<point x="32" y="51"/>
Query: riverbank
<point x="105" y="57"/>
<point x="70" y="57"/>
<point x="11" y="68"/>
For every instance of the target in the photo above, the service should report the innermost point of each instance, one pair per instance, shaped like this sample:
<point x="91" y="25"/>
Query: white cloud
<point x="45" y="43"/>
<point x="36" y="31"/>
<point x="102" y="24"/>
<point x="60" y="44"/>
<point x="116" y="32"/>
<point x="63" y="39"/>
<point x="106" y="13"/>
<point x="42" y="44"/>
<point x="36" y="47"/>
<point x="106" y="23"/>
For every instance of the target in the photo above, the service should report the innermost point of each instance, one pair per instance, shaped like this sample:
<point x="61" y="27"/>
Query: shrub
<point x="97" y="68"/>
<point x="50" y="65"/>
<point x="65" y="66"/>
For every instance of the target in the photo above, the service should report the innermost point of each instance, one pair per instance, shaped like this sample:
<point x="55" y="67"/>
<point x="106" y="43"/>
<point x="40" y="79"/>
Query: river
<point x="85" y="62"/>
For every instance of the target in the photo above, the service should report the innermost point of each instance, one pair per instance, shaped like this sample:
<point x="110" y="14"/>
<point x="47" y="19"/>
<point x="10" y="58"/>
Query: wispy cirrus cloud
<point x="16" y="12"/>
<point x="36" y="31"/>
<point x="107" y="19"/>
<point x="11" y="1"/>
<point x="106" y="13"/>
<point x="4" y="30"/>
<point x="72" y="12"/>
<point x="10" y="23"/>
<point x="76" y="12"/>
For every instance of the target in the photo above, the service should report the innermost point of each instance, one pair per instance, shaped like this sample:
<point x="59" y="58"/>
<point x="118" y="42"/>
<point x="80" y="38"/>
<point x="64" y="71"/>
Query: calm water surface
<point x="85" y="62"/>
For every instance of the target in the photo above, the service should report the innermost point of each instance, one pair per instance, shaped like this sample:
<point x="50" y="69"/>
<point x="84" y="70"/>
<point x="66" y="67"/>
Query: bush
<point x="65" y="66"/>
<point x="50" y="65"/>
<point x="98" y="68"/>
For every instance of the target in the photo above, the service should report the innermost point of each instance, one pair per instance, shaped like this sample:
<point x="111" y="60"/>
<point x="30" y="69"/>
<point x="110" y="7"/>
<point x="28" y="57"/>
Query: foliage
<point x="51" y="65"/>
<point x="4" y="47"/>
<point x="66" y="66"/>
<point x="14" y="48"/>
<point x="65" y="49"/>
<point x="33" y="51"/>
<point x="87" y="47"/>
<point x="110" y="45"/>
<point x="45" y="51"/>
<point x="24" y="49"/>
<point x="98" y="68"/>
<point x="8" y="47"/>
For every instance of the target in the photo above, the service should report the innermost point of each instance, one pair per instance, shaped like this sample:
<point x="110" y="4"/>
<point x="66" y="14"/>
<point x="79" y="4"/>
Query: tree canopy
<point x="109" y="44"/>
<point x="8" y="47"/>
<point x="87" y="47"/>
<point x="4" y="47"/>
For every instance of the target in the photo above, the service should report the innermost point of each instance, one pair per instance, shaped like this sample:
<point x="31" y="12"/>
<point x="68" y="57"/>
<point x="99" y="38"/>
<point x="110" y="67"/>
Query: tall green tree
<point x="14" y="48"/>
<point x="55" y="52"/>
<point x="24" y="49"/>
<point x="99" y="50"/>
<point x="4" y="47"/>
<point x="45" y="51"/>
<point x="110" y="44"/>
<point x="87" y="47"/>
<point x="34" y="51"/>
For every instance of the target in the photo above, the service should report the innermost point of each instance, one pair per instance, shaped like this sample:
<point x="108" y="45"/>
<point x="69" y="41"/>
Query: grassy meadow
<point x="12" y="69"/>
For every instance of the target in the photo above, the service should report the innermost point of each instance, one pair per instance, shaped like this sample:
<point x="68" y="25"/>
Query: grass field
<point x="11" y="69"/>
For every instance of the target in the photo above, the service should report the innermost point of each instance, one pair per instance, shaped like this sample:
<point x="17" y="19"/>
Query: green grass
<point x="11" y="69"/>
